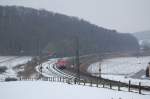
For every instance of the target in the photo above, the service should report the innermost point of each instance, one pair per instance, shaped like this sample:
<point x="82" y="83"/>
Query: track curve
<point x="49" y="69"/>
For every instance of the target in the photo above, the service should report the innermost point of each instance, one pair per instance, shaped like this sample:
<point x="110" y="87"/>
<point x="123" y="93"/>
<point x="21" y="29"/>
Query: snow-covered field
<point x="122" y="69"/>
<point x="10" y="62"/>
<point x="56" y="90"/>
<point x="53" y="90"/>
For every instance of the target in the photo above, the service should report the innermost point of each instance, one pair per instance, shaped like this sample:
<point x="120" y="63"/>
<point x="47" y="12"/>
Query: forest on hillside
<point x="29" y="31"/>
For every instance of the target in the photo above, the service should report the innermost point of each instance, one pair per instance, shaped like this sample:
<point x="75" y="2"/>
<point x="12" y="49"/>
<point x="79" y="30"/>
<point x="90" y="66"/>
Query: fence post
<point x="119" y="86"/>
<point x="139" y="87"/>
<point x="53" y="79"/>
<point x="63" y="79"/>
<point x="103" y="84"/>
<point x="129" y="87"/>
<point x="84" y="82"/>
<point x="75" y="81"/>
<point x="91" y="83"/>
<point x="60" y="79"/>
<point x="97" y="82"/>
<point x="20" y="78"/>
<point x="79" y="82"/>
<point x="110" y="86"/>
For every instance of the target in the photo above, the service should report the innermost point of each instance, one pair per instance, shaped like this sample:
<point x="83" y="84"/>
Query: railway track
<point x="49" y="69"/>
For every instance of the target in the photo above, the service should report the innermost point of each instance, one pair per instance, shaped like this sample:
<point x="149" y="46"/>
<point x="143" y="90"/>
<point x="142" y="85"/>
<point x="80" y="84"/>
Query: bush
<point x="3" y="69"/>
<point x="147" y="72"/>
<point x="11" y="79"/>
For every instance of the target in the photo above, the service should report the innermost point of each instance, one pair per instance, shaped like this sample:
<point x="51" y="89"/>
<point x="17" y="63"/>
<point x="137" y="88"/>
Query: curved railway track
<point x="49" y="69"/>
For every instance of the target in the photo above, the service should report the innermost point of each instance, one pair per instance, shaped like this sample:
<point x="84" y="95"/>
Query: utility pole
<point x="39" y="56"/>
<point x="77" y="58"/>
<point x="99" y="70"/>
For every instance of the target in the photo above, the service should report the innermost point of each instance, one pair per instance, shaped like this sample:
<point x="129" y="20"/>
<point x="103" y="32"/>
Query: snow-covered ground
<point x="122" y="69"/>
<point x="10" y="62"/>
<point x="5" y="58"/>
<point x="53" y="90"/>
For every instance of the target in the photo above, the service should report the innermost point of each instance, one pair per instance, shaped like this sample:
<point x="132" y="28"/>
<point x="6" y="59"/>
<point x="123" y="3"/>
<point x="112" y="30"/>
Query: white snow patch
<point x="15" y="61"/>
<point x="121" y="68"/>
<point x="51" y="90"/>
<point x="10" y="62"/>
<point x="123" y="65"/>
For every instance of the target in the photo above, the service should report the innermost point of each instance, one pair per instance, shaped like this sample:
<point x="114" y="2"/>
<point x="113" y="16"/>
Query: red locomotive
<point x="61" y="64"/>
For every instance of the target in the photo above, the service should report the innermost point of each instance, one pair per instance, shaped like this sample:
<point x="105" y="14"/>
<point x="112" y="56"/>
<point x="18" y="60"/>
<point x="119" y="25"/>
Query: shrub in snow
<point x="147" y="72"/>
<point x="11" y="79"/>
<point x="3" y="69"/>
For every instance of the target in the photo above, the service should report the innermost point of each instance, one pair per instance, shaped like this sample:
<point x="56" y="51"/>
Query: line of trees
<point x="26" y="30"/>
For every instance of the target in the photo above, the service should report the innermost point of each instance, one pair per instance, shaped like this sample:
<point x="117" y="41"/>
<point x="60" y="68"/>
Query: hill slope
<point x="143" y="35"/>
<point x="29" y="31"/>
<point x="143" y="38"/>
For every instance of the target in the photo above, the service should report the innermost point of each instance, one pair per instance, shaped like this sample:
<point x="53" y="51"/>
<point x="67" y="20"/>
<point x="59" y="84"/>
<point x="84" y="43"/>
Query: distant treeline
<point x="29" y="31"/>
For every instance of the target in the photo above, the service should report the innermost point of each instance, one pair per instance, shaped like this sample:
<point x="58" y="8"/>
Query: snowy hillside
<point x="122" y="69"/>
<point x="10" y="62"/>
<point x="123" y="65"/>
<point x="143" y="38"/>
<point x="50" y="90"/>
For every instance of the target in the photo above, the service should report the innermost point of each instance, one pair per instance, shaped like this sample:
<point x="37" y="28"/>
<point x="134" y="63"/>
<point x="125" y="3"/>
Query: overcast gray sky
<point x="122" y="15"/>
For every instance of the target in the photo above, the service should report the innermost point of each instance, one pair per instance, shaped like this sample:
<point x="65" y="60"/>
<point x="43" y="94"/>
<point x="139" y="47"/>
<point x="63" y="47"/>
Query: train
<point x="61" y="63"/>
